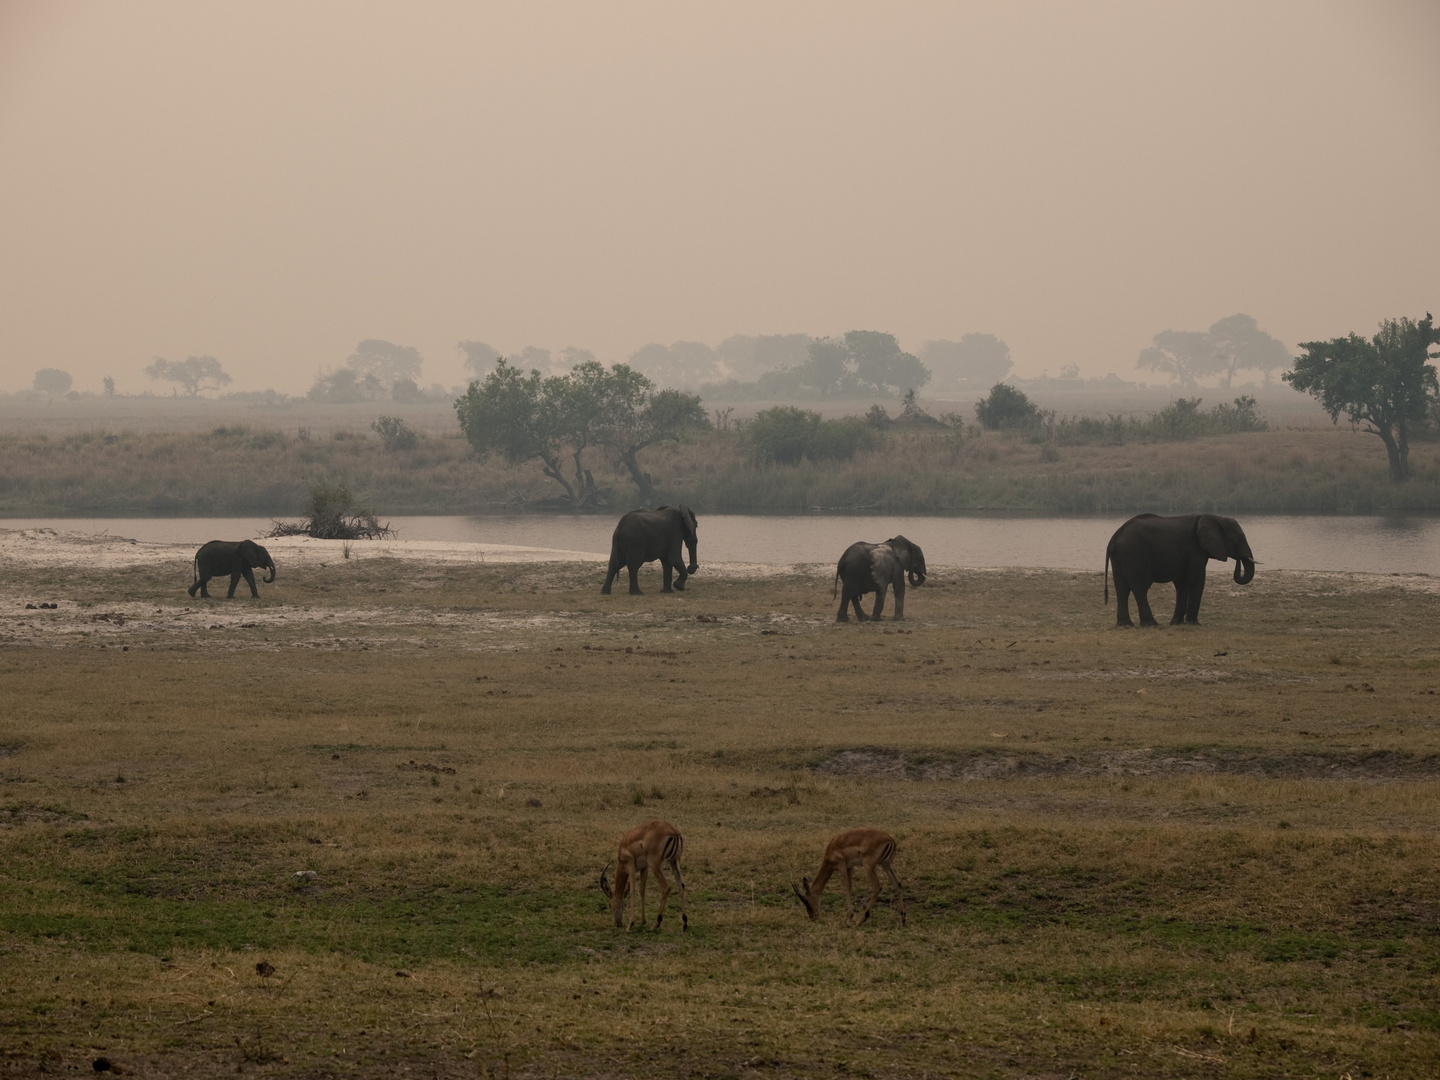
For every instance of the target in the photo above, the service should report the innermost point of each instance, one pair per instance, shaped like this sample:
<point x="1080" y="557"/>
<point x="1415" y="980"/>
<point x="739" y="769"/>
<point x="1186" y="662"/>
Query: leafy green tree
<point x="193" y="374"/>
<point x="1006" y="409"/>
<point x="582" y="397"/>
<point x="525" y="417"/>
<point x="827" y="368"/>
<point x="880" y="363"/>
<point x="518" y="417"/>
<point x="52" y="381"/>
<point x="635" y="415"/>
<point x="1384" y="383"/>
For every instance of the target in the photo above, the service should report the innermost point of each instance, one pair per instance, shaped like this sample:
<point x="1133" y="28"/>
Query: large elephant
<point x="646" y="535"/>
<point x="221" y="557"/>
<point x="1148" y="548"/>
<point x="874" y="568"/>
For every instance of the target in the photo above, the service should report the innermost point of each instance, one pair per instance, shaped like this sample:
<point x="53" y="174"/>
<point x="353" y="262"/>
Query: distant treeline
<point x="781" y="462"/>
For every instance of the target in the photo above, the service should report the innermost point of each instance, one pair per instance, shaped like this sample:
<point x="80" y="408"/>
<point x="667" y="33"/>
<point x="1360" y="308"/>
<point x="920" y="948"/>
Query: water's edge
<point x="1363" y="544"/>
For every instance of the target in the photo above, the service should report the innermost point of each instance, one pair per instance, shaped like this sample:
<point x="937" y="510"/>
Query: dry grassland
<point x="1191" y="852"/>
<point x="250" y="470"/>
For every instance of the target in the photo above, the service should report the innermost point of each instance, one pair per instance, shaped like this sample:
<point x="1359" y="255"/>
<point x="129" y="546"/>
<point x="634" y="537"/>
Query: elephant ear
<point x="691" y="525"/>
<point x="884" y="563"/>
<point x="1211" y="537"/>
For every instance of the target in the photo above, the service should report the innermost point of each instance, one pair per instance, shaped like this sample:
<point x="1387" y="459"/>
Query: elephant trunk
<point x="694" y="562"/>
<point x="1244" y="571"/>
<point x="271" y="578"/>
<point x="917" y="578"/>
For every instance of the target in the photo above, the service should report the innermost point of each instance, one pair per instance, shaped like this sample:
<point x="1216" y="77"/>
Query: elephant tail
<point x="195" y="567"/>
<point x="1107" y="575"/>
<point x="834" y="591"/>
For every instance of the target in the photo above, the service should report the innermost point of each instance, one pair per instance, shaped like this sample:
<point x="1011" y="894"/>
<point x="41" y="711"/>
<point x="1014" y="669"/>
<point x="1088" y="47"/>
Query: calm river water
<point x="1374" y="544"/>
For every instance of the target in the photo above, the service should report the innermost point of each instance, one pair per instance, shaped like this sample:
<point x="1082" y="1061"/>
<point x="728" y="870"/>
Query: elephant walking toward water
<point x="866" y="568"/>
<point x="221" y="557"/>
<point x="646" y="535"/>
<point x="1148" y="548"/>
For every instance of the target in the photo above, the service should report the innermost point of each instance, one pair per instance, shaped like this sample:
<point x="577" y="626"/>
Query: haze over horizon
<point x="270" y="184"/>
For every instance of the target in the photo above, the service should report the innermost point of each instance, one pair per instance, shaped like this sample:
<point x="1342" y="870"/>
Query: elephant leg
<point x="634" y="569"/>
<point x="234" y="580"/>
<point x="1142" y="604"/>
<point x="668" y="572"/>
<point x="194" y="587"/>
<point x="1122" y="603"/>
<point x="842" y="615"/>
<point x="204" y="592"/>
<point x="859" y="611"/>
<point x="610" y="576"/>
<point x="250" y="580"/>
<point x="900" y="600"/>
<point x="1182" y="600"/>
<point x="879" y="601"/>
<point x="680" y="575"/>
<point x="1197" y="589"/>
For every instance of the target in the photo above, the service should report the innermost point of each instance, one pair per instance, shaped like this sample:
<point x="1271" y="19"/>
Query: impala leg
<point x="658" y="867"/>
<point x="874" y="891"/>
<point x="641" y="874"/>
<point x="845" y="886"/>
<point x="680" y="885"/>
<point x="899" y="893"/>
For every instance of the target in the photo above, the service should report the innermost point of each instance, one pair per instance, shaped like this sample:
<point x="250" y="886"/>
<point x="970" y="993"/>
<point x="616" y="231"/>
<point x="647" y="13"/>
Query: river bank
<point x="237" y="471"/>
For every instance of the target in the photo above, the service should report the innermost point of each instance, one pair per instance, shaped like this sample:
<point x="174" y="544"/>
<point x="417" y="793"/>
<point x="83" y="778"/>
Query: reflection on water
<point x="1381" y="545"/>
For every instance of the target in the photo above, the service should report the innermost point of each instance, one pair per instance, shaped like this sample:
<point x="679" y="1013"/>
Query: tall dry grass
<point x="237" y="469"/>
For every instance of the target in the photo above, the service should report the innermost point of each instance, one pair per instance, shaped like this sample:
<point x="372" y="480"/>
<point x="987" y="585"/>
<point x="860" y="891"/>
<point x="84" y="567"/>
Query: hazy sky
<point x="269" y="183"/>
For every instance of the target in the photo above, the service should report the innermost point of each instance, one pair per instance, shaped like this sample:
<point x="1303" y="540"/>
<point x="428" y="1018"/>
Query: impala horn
<point x="605" y="885"/>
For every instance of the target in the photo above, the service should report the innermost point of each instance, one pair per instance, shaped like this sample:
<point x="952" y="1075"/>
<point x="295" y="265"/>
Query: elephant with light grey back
<point x="1149" y="548"/>
<point x="236" y="558"/>
<point x="867" y="568"/>
<point x="643" y="536"/>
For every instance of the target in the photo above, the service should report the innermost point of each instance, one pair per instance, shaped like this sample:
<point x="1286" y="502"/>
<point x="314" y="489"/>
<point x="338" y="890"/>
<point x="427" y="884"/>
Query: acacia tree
<point x="193" y="374"/>
<point x="517" y="416"/>
<point x="1232" y="344"/>
<point x="637" y="416"/>
<point x="52" y="381"/>
<point x="526" y="417"/>
<point x="1384" y="383"/>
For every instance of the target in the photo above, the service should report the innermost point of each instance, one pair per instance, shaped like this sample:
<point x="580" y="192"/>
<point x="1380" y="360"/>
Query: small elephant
<point x="874" y="568"/>
<point x="221" y="557"/>
<point x="646" y="535"/>
<point x="1149" y="548"/>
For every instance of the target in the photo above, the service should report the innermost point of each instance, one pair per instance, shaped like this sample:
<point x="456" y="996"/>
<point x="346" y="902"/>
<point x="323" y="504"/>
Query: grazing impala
<point x="858" y="847"/>
<point x="646" y="849"/>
